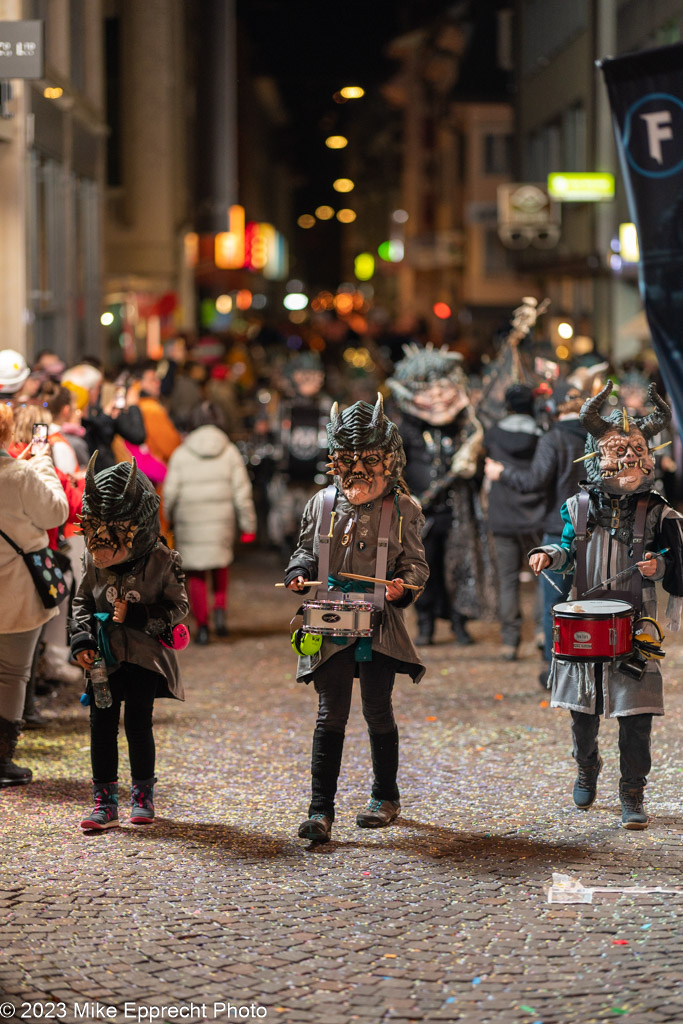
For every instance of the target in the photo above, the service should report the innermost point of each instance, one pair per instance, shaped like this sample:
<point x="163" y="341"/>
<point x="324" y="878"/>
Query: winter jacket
<point x="552" y="470"/>
<point x="154" y="587"/>
<point x="206" y="490"/>
<point x="33" y="501"/>
<point x="162" y="436"/>
<point x="100" y="429"/>
<point x="405" y="560"/>
<point x="513" y="440"/>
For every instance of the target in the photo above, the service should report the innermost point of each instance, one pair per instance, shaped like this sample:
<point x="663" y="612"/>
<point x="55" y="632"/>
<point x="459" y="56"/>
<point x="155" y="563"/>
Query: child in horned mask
<point x="365" y="523"/>
<point x="131" y="596"/>
<point x="618" y="522"/>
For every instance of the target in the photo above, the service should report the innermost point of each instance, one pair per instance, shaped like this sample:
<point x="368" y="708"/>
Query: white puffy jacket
<point x="206" y="491"/>
<point x="32" y="501"/>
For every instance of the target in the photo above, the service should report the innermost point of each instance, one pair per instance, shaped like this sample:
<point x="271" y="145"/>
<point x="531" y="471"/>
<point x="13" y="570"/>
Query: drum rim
<point x="350" y="605"/>
<point x="625" y="610"/>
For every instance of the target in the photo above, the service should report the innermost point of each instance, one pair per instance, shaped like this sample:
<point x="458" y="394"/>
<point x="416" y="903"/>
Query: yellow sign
<point x="575" y="187"/>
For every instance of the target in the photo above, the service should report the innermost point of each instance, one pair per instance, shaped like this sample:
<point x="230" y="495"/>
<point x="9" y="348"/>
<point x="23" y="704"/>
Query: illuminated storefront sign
<point x="251" y="245"/>
<point x="575" y="187"/>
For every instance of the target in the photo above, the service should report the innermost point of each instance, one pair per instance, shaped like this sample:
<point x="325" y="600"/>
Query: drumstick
<point x="373" y="579"/>
<point x="624" y="572"/>
<point x="307" y="583"/>
<point x="546" y="577"/>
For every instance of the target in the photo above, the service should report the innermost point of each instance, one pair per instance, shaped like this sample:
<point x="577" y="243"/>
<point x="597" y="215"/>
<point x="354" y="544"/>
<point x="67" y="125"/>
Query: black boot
<point x="425" y="630"/>
<point x="460" y="633"/>
<point x="586" y="785"/>
<point x="633" y="816"/>
<point x="10" y="773"/>
<point x="384" y="803"/>
<point x="31" y="715"/>
<point x="326" y="759"/>
<point x="219" y="624"/>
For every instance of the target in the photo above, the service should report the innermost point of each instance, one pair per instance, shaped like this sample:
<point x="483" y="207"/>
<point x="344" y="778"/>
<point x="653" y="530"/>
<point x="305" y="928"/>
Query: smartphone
<point x="39" y="437"/>
<point x="120" y="399"/>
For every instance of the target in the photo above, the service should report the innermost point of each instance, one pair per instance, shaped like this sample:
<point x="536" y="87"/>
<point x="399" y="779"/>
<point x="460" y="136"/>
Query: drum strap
<point x="326" y="537"/>
<point x="634" y="593"/>
<point x="581" y="576"/>
<point x="382" y="550"/>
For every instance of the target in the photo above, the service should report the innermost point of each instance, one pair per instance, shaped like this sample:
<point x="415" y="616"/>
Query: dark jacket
<point x="100" y="430"/>
<point x="154" y="586"/>
<point x="513" y="441"/>
<point x="553" y="470"/>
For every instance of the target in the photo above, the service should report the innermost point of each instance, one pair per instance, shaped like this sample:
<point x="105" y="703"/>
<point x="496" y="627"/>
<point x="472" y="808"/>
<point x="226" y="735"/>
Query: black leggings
<point x="333" y="682"/>
<point x="136" y="687"/>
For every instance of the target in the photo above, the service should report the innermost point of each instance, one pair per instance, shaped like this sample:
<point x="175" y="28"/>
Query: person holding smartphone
<point x="33" y="501"/>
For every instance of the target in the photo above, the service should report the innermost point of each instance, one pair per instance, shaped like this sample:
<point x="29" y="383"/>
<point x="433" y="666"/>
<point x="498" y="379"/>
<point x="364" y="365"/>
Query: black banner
<point x="646" y="95"/>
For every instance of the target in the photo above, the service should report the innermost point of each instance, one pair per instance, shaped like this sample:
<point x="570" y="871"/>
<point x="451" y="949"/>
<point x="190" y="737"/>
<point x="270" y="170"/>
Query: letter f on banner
<point x="658" y="128"/>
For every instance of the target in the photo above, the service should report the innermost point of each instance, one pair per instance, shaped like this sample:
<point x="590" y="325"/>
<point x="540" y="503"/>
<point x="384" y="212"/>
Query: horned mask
<point x="120" y="518"/>
<point x="366" y="451"/>
<point x="618" y="458"/>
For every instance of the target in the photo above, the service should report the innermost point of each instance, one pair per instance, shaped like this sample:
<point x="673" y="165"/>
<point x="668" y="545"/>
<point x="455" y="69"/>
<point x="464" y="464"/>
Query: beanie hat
<point x="520" y="399"/>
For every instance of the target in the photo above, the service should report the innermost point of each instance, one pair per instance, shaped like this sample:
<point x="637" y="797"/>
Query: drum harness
<point x="364" y="644"/>
<point x="645" y="646"/>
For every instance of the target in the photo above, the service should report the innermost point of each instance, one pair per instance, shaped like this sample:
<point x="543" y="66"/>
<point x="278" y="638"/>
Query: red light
<point x="442" y="310"/>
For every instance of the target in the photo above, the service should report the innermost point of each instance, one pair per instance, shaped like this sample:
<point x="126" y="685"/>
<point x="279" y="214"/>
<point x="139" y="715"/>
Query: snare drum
<point x="592" y="630"/>
<point x="340" y="617"/>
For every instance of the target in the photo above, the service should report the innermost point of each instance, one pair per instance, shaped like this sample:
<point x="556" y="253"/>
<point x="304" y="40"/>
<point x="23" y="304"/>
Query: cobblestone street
<point x="220" y="912"/>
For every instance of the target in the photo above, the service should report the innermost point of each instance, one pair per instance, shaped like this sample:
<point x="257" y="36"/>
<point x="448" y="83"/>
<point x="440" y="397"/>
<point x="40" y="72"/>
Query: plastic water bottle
<point x="99" y="677"/>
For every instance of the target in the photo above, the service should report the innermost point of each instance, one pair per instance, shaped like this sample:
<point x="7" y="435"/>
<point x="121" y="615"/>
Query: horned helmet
<point x="430" y="383"/>
<point x="120" y="518"/>
<point x="617" y="457"/>
<point x="366" y="451"/>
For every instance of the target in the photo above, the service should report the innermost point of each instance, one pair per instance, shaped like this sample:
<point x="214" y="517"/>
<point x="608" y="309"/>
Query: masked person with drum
<point x="604" y="658"/>
<point x="365" y="523"/>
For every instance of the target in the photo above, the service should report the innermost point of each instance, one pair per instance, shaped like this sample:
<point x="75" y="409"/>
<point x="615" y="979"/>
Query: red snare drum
<point x="592" y="630"/>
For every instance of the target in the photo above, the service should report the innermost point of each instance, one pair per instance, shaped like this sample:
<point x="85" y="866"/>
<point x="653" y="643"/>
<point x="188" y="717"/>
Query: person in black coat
<point x="515" y="517"/>
<point x="554" y="471"/>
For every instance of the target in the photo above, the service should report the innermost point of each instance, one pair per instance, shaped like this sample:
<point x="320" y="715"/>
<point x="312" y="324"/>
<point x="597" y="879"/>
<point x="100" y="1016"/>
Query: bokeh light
<point x="224" y="304"/>
<point x="442" y="310"/>
<point x="346" y="216"/>
<point x="352" y="92"/>
<point x="343" y="185"/>
<point x="336" y="142"/>
<point x="324" y="213"/>
<point x="295" y="300"/>
<point x="306" y="220"/>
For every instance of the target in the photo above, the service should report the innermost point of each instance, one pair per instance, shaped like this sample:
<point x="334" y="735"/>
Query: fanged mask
<point x="625" y="462"/>
<point x="362" y="475"/>
<point x="430" y="384"/>
<point x="617" y="455"/>
<point x="366" y="451"/>
<point x="120" y="517"/>
<point x="108" y="543"/>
